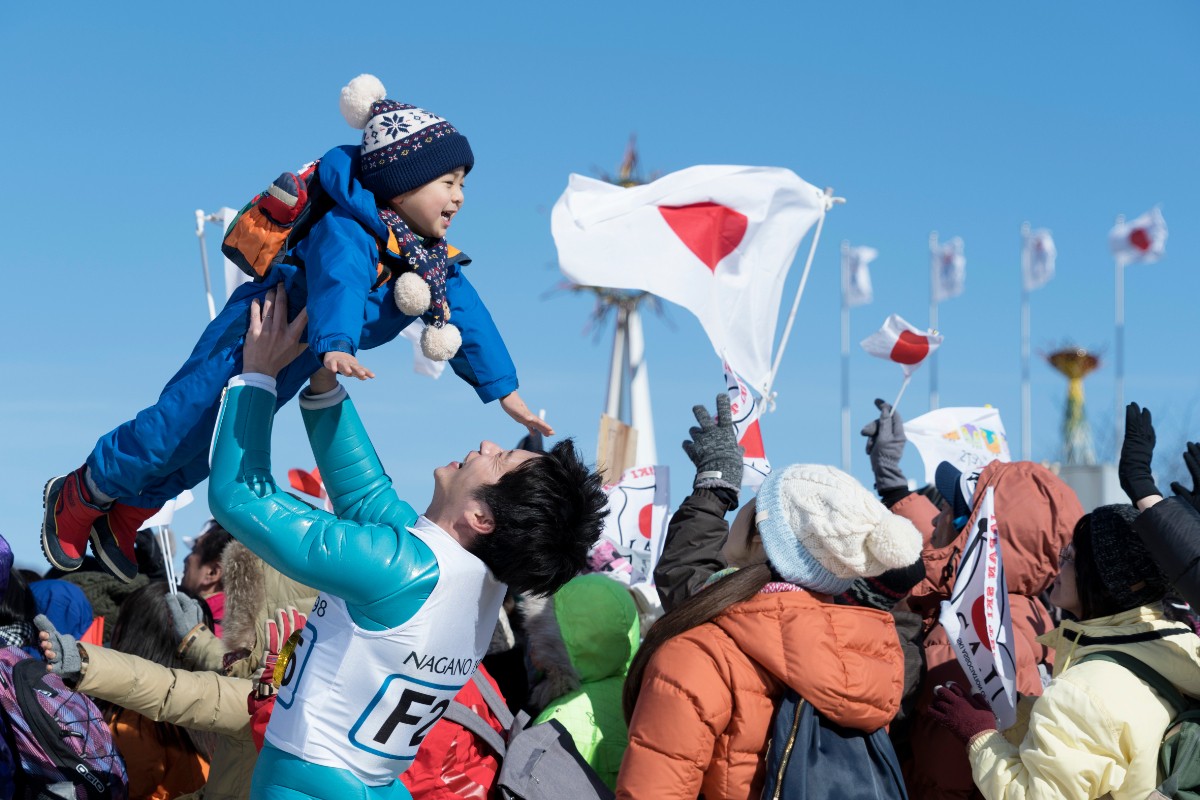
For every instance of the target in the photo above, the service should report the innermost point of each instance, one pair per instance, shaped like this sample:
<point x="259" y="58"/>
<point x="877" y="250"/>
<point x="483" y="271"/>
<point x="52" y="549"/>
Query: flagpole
<point x="1119" y="416"/>
<point x="1026" y="391"/>
<point x="212" y="309"/>
<point x="845" y="357"/>
<point x="903" y="386"/>
<point x="614" y="402"/>
<point x="830" y="201"/>
<point x="933" y="321"/>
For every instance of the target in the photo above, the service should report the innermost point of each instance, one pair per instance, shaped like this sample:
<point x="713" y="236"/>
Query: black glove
<point x="60" y="650"/>
<point x="885" y="446"/>
<point x="1133" y="469"/>
<point x="714" y="449"/>
<point x="1191" y="458"/>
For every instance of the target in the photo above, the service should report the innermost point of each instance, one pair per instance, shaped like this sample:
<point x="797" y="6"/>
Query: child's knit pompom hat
<point x="822" y="530"/>
<point x="403" y="147"/>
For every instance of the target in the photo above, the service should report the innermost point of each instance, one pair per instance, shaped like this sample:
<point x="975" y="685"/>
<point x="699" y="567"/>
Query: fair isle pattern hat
<point x="403" y="147"/>
<point x="822" y="530"/>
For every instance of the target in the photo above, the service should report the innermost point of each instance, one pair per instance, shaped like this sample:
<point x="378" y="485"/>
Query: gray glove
<point x="185" y="613"/>
<point x="66" y="662"/>
<point x="885" y="446"/>
<point x="714" y="449"/>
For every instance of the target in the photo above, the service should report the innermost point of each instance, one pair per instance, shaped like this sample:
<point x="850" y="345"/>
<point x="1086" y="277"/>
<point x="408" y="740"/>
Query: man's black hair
<point x="549" y="511"/>
<point x="211" y="544"/>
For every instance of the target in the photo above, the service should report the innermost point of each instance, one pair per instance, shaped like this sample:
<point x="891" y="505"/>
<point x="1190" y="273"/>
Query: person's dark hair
<point x="149" y="556"/>
<point x="702" y="607"/>
<point x="1094" y="599"/>
<point x="211" y="544"/>
<point x="549" y="511"/>
<point x="144" y="629"/>
<point x="17" y="604"/>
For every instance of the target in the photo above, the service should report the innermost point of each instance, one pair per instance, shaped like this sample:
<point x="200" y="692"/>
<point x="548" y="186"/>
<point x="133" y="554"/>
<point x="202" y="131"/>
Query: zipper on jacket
<point x="787" y="751"/>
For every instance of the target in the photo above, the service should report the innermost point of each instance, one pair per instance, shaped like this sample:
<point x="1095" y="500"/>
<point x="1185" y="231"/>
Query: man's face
<point x="457" y="482"/>
<point x="429" y="209"/>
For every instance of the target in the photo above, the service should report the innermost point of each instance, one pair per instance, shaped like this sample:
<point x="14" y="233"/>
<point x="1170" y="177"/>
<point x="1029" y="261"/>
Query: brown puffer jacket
<point x="1036" y="513"/>
<point x="703" y="717"/>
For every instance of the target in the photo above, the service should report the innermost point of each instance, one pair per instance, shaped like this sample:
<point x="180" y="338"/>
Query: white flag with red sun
<point x="746" y="409"/>
<point x="635" y="525"/>
<point x="978" y="620"/>
<point x="717" y="240"/>
<point x="905" y="344"/>
<point x="311" y="484"/>
<point x="1142" y="241"/>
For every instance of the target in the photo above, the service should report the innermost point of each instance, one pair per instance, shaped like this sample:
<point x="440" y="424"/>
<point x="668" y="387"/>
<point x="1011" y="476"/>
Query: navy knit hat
<point x="403" y="147"/>
<point x="1123" y="564"/>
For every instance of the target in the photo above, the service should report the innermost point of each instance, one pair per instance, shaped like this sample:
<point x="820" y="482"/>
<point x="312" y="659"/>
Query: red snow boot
<point x="113" y="536"/>
<point x="70" y="512"/>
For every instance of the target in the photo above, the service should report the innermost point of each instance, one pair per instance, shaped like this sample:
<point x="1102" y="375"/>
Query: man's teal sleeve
<point x="371" y="565"/>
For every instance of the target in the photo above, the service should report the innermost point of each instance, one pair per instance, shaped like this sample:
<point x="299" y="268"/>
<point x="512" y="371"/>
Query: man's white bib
<point x="364" y="700"/>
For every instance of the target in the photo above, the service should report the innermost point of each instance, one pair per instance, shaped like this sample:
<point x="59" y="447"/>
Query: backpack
<point x="59" y="740"/>
<point x="536" y="763"/>
<point x="275" y="220"/>
<point x="810" y="758"/>
<point x="1179" y="753"/>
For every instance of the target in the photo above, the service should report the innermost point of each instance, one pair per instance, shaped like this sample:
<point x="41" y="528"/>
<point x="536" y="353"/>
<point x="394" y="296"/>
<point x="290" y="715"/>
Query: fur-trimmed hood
<point x="254" y="591"/>
<point x="587" y="631"/>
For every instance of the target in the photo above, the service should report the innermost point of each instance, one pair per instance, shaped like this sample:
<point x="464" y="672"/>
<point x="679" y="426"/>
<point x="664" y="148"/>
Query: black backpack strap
<point x="477" y="725"/>
<point x="1165" y="689"/>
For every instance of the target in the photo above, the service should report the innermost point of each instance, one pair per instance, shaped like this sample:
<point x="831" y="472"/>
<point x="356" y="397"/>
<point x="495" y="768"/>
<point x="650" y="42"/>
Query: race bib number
<point x="400" y="715"/>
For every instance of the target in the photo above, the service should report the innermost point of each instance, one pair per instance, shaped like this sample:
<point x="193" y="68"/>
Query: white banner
<point x="969" y="438"/>
<point x="636" y="525"/>
<point x="746" y="409"/>
<point x="978" y="620"/>
<point x="166" y="514"/>
<point x="858" y="275"/>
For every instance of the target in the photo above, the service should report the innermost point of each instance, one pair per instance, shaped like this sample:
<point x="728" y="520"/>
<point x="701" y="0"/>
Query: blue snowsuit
<point x="164" y="449"/>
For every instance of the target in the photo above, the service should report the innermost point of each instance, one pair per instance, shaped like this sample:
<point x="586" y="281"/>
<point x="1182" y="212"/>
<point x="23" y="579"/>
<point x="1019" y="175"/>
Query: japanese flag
<point x="717" y="240"/>
<point x="311" y="484"/>
<point x="1142" y="241"/>
<point x="903" y="343"/>
<point x="949" y="270"/>
<point x="1037" y="259"/>
<point x="858" y="275"/>
<point x="746" y="409"/>
<point x="635" y="524"/>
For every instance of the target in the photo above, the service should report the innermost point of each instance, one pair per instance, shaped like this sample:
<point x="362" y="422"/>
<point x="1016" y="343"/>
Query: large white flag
<point x="978" y="620"/>
<point x="717" y="240"/>
<point x="949" y="270"/>
<point x="969" y="438"/>
<point x="858" y="275"/>
<point x="1037" y="259"/>
<point x="1142" y="241"/>
<point x="746" y="409"/>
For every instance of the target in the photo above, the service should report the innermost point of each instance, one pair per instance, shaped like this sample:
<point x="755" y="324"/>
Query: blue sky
<point x="123" y="119"/>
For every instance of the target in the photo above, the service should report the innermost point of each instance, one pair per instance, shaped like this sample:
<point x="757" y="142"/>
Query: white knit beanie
<point x="821" y="529"/>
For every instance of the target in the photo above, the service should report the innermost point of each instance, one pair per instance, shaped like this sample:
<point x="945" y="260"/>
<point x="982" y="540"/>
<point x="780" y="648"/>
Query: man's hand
<point x="339" y="363"/>
<point x="1133" y="468"/>
<point x="271" y="341"/>
<point x="515" y="407"/>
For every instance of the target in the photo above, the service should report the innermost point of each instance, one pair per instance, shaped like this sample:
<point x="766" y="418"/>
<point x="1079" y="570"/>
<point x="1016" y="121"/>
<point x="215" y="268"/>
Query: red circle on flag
<point x="1140" y="239"/>
<point x="644" y="518"/>
<point x="979" y="620"/>
<point x="910" y="348"/>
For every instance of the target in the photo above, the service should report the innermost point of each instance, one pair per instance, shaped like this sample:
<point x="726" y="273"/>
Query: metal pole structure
<point x="614" y="406"/>
<point x="933" y="319"/>
<point x="1119" y="416"/>
<point x="212" y="309"/>
<point x="1026" y="390"/>
<point x="845" y="357"/>
<point x="641" y="416"/>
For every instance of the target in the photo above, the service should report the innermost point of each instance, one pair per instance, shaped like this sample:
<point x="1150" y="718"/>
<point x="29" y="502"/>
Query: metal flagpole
<point x="212" y="309"/>
<point x="830" y="201"/>
<point x="1026" y="391"/>
<point x="640" y="414"/>
<point x="1119" y="416"/>
<point x="933" y="319"/>
<point x="614" y="405"/>
<point x="845" y="357"/>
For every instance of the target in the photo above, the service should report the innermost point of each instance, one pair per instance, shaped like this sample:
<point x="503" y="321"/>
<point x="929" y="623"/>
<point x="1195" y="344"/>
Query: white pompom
<point x="440" y="344"/>
<point x="357" y="97"/>
<point x="411" y="293"/>
<point x="894" y="543"/>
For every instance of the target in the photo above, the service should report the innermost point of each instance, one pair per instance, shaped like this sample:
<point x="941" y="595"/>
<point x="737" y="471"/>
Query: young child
<point x="393" y="199"/>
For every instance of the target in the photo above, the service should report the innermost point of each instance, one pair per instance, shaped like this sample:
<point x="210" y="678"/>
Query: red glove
<point x="964" y="716"/>
<point x="286" y="622"/>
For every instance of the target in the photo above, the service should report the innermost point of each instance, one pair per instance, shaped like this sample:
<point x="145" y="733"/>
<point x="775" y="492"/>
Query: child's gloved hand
<point x="340" y="363"/>
<point x="515" y="407"/>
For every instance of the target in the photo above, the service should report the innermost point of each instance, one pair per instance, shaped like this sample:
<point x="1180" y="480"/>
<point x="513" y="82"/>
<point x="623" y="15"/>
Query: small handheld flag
<point x="904" y="344"/>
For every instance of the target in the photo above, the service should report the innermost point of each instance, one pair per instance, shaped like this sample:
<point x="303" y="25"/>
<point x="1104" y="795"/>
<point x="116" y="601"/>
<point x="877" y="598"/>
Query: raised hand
<point x="714" y="448"/>
<point x="885" y="446"/>
<point x="271" y="341"/>
<point x="1191" y="458"/>
<point x="1133" y="469"/>
<point x="515" y="407"/>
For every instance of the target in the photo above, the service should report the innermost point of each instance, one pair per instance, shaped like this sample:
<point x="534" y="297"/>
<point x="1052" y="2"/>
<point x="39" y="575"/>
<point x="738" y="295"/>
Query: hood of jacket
<point x="1036" y="514"/>
<point x="587" y="631"/>
<point x="338" y="172"/>
<point x="1170" y="648"/>
<point x="845" y="660"/>
<point x="254" y="591"/>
